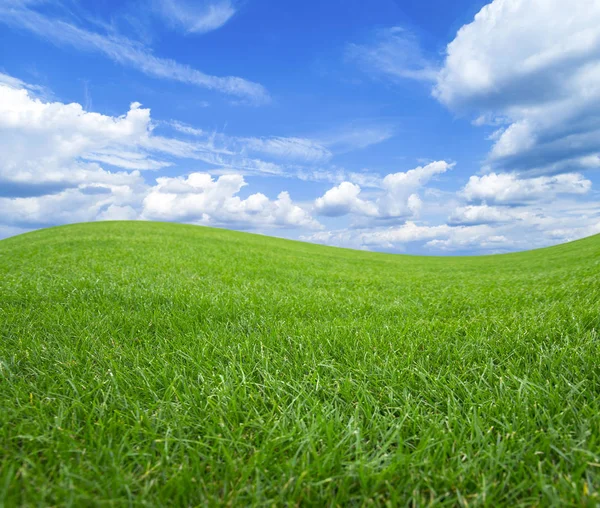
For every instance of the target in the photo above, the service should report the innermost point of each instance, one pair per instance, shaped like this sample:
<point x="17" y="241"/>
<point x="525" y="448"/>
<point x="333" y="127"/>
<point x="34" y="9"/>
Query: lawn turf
<point x="153" y="364"/>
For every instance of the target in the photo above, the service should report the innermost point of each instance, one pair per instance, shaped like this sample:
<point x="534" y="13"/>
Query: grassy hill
<point x="145" y="363"/>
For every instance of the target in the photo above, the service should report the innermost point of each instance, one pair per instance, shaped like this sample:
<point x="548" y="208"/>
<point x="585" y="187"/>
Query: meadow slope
<point x="147" y="363"/>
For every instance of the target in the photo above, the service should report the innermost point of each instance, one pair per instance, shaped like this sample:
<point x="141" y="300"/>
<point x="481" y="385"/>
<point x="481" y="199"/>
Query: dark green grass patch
<point x="154" y="364"/>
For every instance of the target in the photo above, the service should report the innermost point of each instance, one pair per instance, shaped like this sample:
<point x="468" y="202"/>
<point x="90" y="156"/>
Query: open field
<point x="147" y="363"/>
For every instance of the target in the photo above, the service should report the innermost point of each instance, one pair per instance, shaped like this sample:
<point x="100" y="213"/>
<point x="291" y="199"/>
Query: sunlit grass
<point x="145" y="363"/>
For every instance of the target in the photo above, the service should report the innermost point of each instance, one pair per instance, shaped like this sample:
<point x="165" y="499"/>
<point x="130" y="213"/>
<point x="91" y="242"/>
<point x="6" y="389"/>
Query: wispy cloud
<point x="279" y="148"/>
<point x="307" y="158"/>
<point x="355" y="137"/>
<point x="394" y="53"/>
<point x="34" y="90"/>
<point x="290" y="148"/>
<point x="185" y="128"/>
<point x="126" y="52"/>
<point x="196" y="17"/>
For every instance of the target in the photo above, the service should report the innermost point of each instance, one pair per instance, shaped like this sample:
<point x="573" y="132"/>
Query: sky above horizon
<point x="417" y="126"/>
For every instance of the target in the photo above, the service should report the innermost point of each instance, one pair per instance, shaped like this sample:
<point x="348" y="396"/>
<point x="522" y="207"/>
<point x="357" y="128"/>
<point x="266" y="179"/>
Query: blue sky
<point x="426" y="127"/>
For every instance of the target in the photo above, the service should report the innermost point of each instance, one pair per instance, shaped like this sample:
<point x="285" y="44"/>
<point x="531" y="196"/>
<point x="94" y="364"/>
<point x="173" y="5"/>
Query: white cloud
<point x="406" y="233"/>
<point x="197" y="199"/>
<point x="483" y="230"/>
<point x="481" y="238"/>
<point x="82" y="204"/>
<point x="365" y="178"/>
<point x="521" y="222"/>
<point x="521" y="215"/>
<point x="12" y="82"/>
<point x="509" y="189"/>
<point x="126" y="52"/>
<point x="398" y="198"/>
<point x="396" y="54"/>
<point x="197" y="17"/>
<point x="535" y="64"/>
<point x="482" y="214"/>
<point x="342" y="200"/>
<point x="529" y="226"/>
<point x="50" y="172"/>
<point x="518" y="45"/>
<point x="202" y="200"/>
<point x="395" y="237"/>
<point x="126" y="160"/>
<point x="117" y="212"/>
<point x="50" y="144"/>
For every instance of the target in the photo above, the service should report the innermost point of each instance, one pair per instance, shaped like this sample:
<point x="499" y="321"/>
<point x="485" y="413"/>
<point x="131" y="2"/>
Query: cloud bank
<point x="532" y="69"/>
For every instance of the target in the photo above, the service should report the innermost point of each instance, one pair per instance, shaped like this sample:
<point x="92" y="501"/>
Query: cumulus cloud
<point x="342" y="200"/>
<point x="482" y="214"/>
<point x="197" y="17"/>
<point x="509" y="189"/>
<point x="125" y="51"/>
<point x="477" y="230"/>
<point x="51" y="171"/>
<point x="81" y="204"/>
<point x="535" y="66"/>
<point x="54" y="159"/>
<point x="118" y="212"/>
<point x="398" y="199"/>
<point x="531" y="212"/>
<point x="491" y="214"/>
<point x="480" y="238"/>
<point x="203" y="200"/>
<point x="395" y="237"/>
<point x="50" y="145"/>
<point x="407" y="233"/>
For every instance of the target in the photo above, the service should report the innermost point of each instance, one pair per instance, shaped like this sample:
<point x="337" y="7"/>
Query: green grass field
<point x="154" y="364"/>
